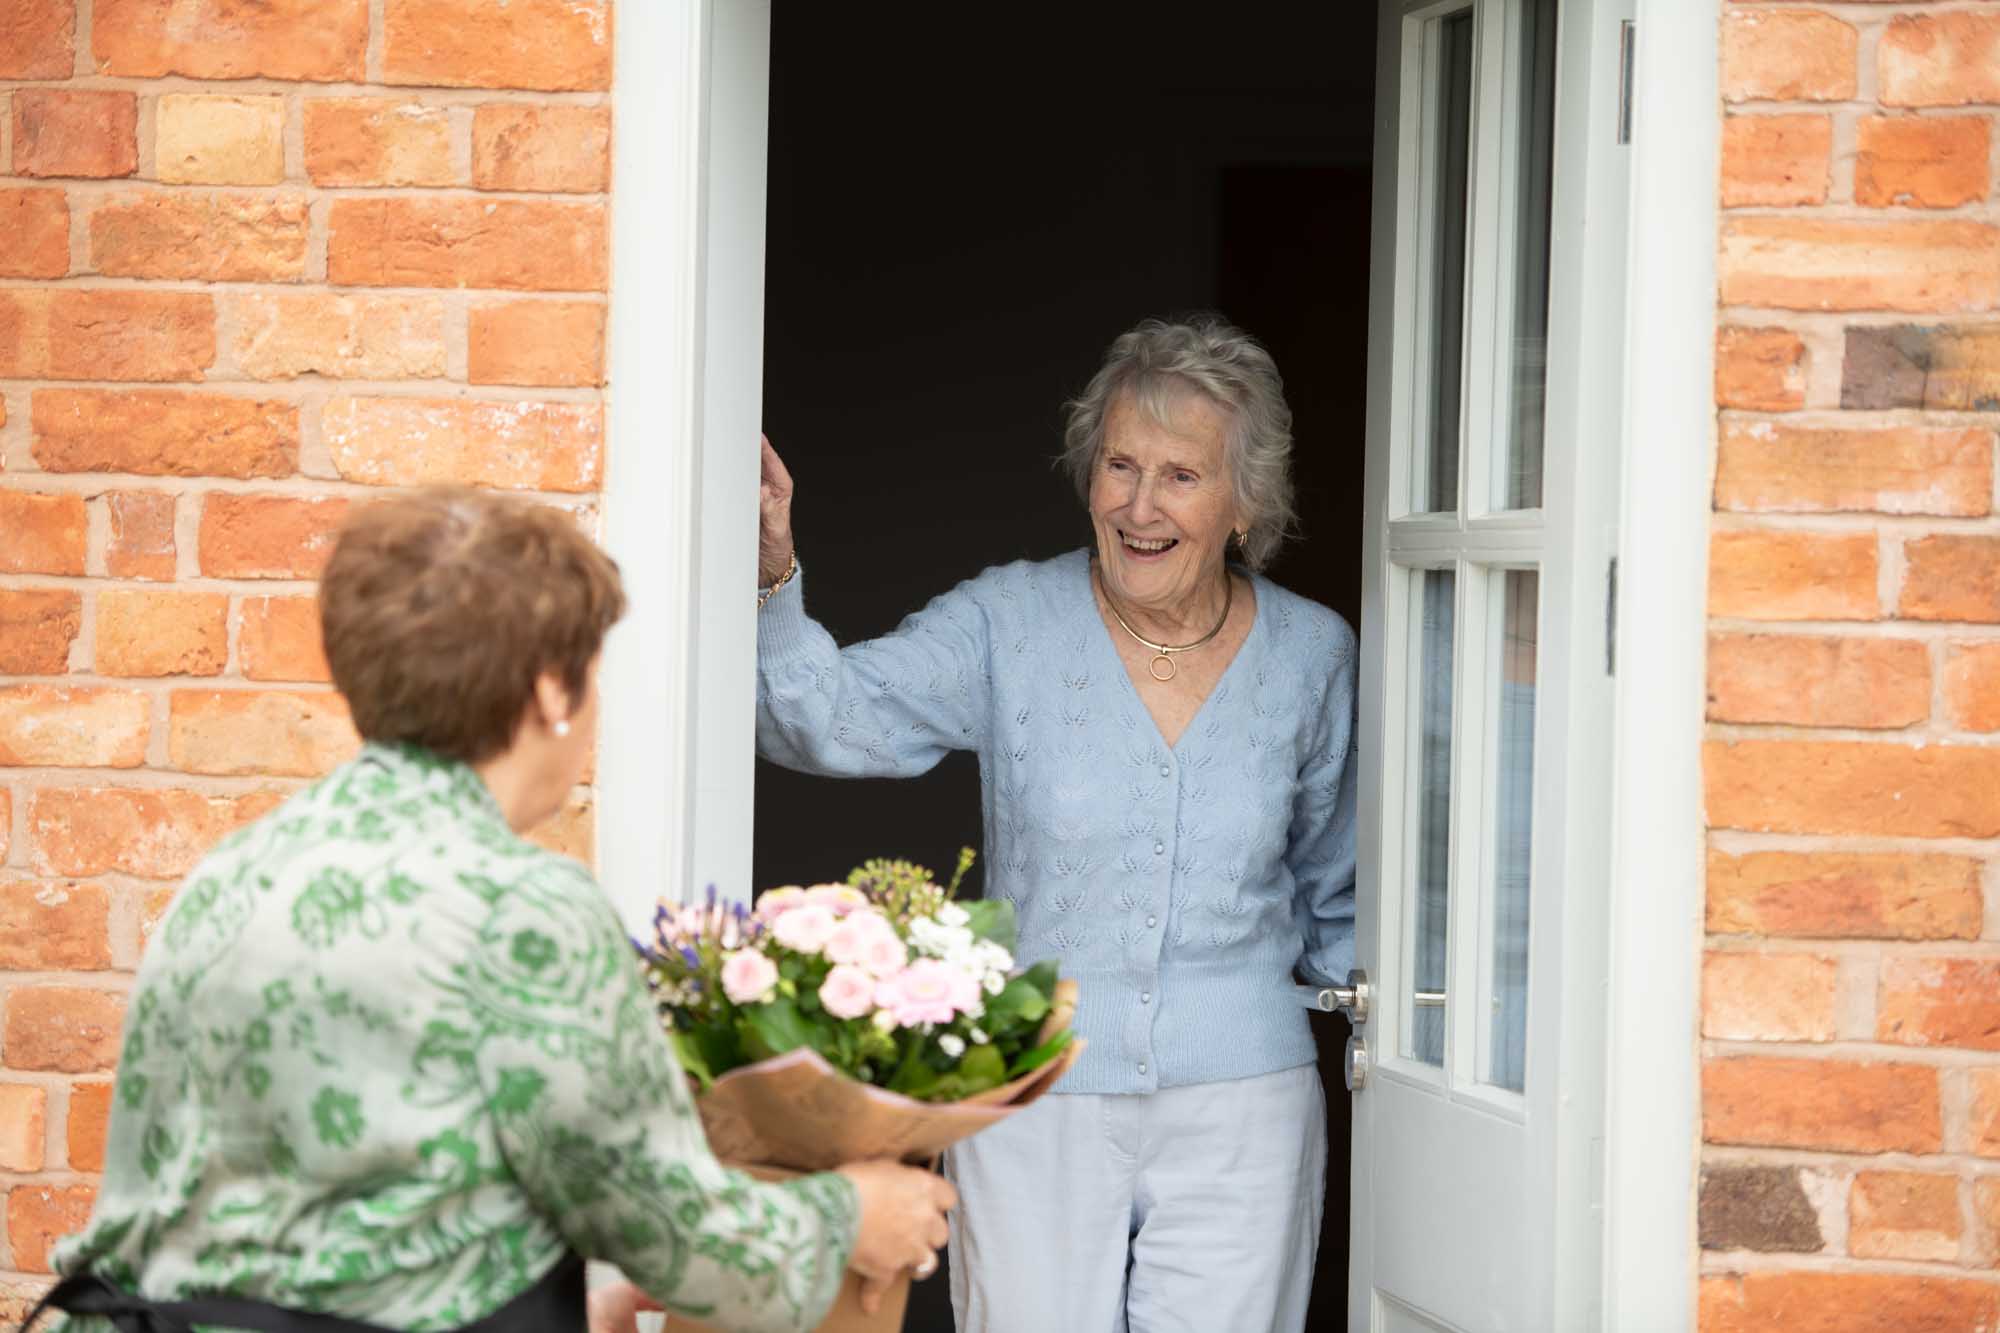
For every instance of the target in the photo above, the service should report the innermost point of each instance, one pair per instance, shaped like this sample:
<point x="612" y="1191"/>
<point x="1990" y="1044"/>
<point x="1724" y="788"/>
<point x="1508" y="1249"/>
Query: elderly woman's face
<point x="1163" y="504"/>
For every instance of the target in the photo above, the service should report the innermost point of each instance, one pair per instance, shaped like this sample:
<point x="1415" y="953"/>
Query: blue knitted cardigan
<point x="1179" y="885"/>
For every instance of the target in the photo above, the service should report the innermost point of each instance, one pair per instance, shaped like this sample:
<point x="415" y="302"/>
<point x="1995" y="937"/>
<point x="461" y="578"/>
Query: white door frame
<point x="674" y="805"/>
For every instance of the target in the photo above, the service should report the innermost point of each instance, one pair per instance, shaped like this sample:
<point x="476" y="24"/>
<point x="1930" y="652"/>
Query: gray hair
<point x="1158" y="362"/>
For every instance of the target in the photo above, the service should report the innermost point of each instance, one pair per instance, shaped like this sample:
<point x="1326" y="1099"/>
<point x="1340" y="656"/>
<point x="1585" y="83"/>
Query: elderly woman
<point x="1164" y="742"/>
<point x="389" y="1062"/>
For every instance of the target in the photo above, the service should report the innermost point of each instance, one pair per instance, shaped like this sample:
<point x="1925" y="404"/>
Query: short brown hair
<point x="441" y="608"/>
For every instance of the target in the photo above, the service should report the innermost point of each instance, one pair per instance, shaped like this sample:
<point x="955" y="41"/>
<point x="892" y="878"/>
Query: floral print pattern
<point x="387" y="1060"/>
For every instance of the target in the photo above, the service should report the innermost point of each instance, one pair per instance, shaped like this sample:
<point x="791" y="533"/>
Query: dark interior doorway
<point x="962" y="216"/>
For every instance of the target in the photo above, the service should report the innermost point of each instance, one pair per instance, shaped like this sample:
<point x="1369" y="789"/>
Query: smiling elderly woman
<point x="1164" y="742"/>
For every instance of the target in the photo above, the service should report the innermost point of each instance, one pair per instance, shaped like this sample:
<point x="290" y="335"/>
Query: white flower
<point x="930" y="937"/>
<point x="951" y="1045"/>
<point x="951" y="914"/>
<point x="995" y="983"/>
<point x="979" y="1037"/>
<point x="884" y="1019"/>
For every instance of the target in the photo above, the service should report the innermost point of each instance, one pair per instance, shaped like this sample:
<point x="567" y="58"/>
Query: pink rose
<point x="840" y="899"/>
<point x="847" y="992"/>
<point x="866" y="939"/>
<point x="774" y="903"/>
<point x="927" y="991"/>
<point x="748" y="977"/>
<point x="805" y="929"/>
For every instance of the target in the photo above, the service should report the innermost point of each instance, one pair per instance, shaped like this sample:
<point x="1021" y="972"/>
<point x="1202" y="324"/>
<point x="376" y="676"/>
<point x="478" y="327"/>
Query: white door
<point x="1497" y="324"/>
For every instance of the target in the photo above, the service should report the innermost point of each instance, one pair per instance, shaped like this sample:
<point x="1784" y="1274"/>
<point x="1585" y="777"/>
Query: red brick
<point x="53" y="726"/>
<point x="280" y="639"/>
<point x="64" y="1029"/>
<point x="105" y="335"/>
<point x="324" y="41"/>
<point x="1793" y="576"/>
<point x="1940" y="59"/>
<point x="152" y="833"/>
<point x="378" y="141"/>
<point x="1986" y="1218"/>
<point x="517" y="146"/>
<point x="40" y="1215"/>
<point x="6" y="824"/>
<point x="151" y="632"/>
<point x="1923" y="161"/>
<point x="1939" y="1002"/>
<point x="67" y="132"/>
<point x="1818" y="680"/>
<point x="23" y="1127"/>
<point x="130" y="335"/>
<point x="1844" y="895"/>
<point x="42" y="534"/>
<point x="200" y="237"/>
<point x="164" y="433"/>
<point x="1763" y="370"/>
<point x="1785" y="55"/>
<point x="1771" y="467"/>
<point x="290" y="734"/>
<point x="1775" y="160"/>
<point x="1985" y="1116"/>
<point x="1768" y="997"/>
<point x="142" y="535"/>
<point x="36" y="225"/>
<point x="537" y="342"/>
<point x="1952" y="578"/>
<point x="52" y="926"/>
<point x="1832" y="1105"/>
<point x="152" y="912"/>
<point x="38" y="41"/>
<point x="281" y="335"/>
<point x="525" y="244"/>
<point x="204" y="139"/>
<point x="268" y="536"/>
<point x="20" y="1295"/>
<point x="1853" y="787"/>
<point x="89" y="1119"/>
<point x="1808" y="263"/>
<point x="1972" y="686"/>
<point x="37" y="626"/>
<point x="1823" y="1302"/>
<point x="425" y="441"/>
<point x="550" y="45"/>
<point x="1904" y="1215"/>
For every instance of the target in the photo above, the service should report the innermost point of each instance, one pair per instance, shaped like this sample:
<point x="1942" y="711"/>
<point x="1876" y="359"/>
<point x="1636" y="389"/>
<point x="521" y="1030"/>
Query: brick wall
<point x="1851" y="992"/>
<point x="255" y="263"/>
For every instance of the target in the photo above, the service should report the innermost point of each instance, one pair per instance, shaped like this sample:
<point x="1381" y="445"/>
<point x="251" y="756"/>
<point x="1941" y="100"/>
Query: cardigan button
<point x="1145" y="997"/>
<point x="1166" y="770"/>
<point x="1152" y="921"/>
<point x="1159" y="849"/>
<point x="1142" y="1066"/>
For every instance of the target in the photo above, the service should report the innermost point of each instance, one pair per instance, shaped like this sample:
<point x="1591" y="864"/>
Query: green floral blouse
<point x="387" y="1060"/>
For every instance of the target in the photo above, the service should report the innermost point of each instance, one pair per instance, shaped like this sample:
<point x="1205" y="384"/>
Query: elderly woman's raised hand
<point x="902" y="1223"/>
<point x="774" y="519"/>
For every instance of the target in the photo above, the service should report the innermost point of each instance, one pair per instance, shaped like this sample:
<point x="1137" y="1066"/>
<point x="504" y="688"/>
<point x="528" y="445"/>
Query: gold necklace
<point x="1163" y="652"/>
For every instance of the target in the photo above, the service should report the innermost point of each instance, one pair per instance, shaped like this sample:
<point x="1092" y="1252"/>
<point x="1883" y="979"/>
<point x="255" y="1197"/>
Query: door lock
<point x="1357" y="1064"/>
<point x="1351" y="999"/>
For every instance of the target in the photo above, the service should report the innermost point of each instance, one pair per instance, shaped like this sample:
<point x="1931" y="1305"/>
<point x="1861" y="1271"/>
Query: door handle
<point x="1351" y="999"/>
<point x="1357" y="1064"/>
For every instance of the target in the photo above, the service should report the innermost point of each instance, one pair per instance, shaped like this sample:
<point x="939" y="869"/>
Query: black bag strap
<point x="555" y="1304"/>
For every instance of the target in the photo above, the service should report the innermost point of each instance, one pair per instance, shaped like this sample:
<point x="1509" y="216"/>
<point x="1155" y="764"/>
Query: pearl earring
<point x="561" y="728"/>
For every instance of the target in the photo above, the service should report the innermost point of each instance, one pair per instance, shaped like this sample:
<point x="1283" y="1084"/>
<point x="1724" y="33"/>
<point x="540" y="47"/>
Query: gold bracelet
<point x="766" y="594"/>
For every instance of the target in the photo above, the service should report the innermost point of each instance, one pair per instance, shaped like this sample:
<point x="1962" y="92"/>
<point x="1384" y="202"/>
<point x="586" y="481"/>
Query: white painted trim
<point x="655" y="371"/>
<point x="1652" y="1116"/>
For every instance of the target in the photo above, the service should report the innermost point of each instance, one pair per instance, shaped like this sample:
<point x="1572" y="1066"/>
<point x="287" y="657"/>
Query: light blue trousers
<point x="1193" y="1208"/>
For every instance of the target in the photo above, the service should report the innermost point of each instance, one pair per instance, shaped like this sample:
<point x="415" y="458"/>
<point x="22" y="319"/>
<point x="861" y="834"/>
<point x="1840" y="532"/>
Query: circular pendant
<point x="1163" y="667"/>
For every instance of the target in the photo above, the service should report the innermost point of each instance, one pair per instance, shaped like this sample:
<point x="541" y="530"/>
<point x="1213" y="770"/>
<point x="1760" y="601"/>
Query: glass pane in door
<point x="1448" y="156"/>
<point x="1506" y="969"/>
<point x="1431" y="772"/>
<point x="1518" y="485"/>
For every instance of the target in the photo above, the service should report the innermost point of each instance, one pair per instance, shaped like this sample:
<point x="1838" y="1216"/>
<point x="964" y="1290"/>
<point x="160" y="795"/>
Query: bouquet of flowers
<point x="875" y="1018"/>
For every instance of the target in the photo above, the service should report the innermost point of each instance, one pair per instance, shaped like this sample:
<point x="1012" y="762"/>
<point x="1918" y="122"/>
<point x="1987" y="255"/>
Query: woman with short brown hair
<point x="387" y="1061"/>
